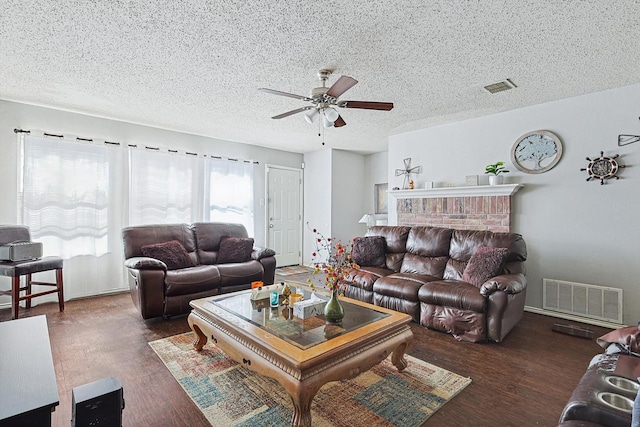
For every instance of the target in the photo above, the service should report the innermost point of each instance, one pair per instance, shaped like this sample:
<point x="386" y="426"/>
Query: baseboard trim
<point x="585" y="320"/>
<point x="35" y="301"/>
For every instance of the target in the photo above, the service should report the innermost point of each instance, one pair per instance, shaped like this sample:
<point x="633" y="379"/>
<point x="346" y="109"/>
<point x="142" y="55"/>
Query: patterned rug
<point x="294" y="269"/>
<point x="230" y="395"/>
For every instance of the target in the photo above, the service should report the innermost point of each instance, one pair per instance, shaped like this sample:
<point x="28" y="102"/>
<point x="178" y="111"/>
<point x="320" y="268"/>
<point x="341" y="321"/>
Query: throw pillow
<point x="171" y="253"/>
<point x="369" y="251"/>
<point x="485" y="263"/>
<point x="629" y="337"/>
<point x="235" y="249"/>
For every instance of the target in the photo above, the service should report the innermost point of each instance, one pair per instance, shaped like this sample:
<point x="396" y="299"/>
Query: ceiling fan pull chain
<point x="321" y="130"/>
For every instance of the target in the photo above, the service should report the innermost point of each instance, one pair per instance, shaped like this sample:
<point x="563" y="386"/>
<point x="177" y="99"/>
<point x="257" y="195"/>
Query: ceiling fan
<point x="324" y="100"/>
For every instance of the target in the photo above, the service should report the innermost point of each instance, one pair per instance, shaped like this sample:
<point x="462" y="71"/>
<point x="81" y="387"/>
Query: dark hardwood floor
<point x="524" y="381"/>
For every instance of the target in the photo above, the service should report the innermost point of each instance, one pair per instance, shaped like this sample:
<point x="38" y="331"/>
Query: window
<point x="165" y="188"/>
<point x="75" y="201"/>
<point x="65" y="195"/>
<point x="229" y="192"/>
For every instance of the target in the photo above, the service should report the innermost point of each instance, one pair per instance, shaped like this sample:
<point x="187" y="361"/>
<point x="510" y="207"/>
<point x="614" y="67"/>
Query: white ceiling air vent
<point x="500" y="86"/>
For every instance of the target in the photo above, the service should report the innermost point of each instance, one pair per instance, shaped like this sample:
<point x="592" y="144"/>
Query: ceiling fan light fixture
<point x="310" y="117"/>
<point x="325" y="101"/>
<point x="331" y="114"/>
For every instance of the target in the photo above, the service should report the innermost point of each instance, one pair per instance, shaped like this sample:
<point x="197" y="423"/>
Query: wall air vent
<point x="580" y="299"/>
<point x="500" y="86"/>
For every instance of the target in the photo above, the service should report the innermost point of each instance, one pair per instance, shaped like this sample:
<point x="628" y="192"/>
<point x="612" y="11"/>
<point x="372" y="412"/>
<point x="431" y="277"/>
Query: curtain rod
<point x="53" y="135"/>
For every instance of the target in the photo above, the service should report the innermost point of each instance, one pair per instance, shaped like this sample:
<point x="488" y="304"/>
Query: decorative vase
<point x="333" y="310"/>
<point x="495" y="179"/>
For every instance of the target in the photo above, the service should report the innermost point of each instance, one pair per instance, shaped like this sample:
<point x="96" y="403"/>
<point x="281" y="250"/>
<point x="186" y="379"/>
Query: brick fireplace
<point x="483" y="207"/>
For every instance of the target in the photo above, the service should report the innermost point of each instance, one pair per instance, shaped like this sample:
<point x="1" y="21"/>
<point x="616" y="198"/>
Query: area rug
<point x="294" y="269"/>
<point x="230" y="395"/>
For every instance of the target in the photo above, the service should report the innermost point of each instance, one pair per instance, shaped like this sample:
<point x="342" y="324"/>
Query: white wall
<point x="347" y="201"/>
<point x="16" y="115"/>
<point x="575" y="230"/>
<point x="333" y="202"/>
<point x="317" y="199"/>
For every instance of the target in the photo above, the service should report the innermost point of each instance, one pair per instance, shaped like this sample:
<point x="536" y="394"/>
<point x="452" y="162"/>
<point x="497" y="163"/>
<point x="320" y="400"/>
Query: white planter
<point x="496" y="179"/>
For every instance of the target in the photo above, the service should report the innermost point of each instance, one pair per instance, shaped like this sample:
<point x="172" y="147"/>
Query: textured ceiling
<point x="195" y="66"/>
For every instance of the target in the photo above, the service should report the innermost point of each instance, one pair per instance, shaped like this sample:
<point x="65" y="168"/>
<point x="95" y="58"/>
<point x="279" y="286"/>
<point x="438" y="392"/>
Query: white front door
<point x="284" y="216"/>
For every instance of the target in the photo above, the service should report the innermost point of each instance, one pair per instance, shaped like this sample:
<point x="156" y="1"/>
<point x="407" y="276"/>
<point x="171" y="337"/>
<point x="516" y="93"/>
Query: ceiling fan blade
<point x="292" y="112"/>
<point x="339" y="122"/>
<point x="343" y="84"/>
<point x="290" y="95"/>
<point x="367" y="105"/>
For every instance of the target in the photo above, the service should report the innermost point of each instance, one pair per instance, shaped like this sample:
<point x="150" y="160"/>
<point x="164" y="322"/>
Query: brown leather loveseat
<point x="468" y="283"/>
<point x="608" y="394"/>
<point x="169" y="265"/>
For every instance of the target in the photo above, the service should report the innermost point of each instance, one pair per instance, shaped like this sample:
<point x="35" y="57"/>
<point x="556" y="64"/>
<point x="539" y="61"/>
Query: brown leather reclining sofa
<point x="421" y="272"/>
<point x="169" y="265"/>
<point x="608" y="394"/>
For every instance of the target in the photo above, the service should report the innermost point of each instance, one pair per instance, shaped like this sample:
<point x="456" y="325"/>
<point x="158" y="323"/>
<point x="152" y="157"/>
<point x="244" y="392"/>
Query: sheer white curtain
<point x="165" y="187"/>
<point x="228" y="195"/>
<point x="70" y="198"/>
<point x="65" y="195"/>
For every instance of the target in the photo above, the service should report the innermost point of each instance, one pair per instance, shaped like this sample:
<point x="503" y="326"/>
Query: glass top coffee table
<point x="301" y="354"/>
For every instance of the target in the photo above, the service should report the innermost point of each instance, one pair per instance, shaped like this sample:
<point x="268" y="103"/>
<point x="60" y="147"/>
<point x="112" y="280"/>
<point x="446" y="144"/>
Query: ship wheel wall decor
<point x="603" y="168"/>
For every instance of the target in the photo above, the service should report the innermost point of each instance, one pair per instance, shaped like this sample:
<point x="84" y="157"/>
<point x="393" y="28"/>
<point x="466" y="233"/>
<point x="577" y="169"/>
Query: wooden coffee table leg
<point x="201" y="340"/>
<point x="302" y="409"/>
<point x="397" y="358"/>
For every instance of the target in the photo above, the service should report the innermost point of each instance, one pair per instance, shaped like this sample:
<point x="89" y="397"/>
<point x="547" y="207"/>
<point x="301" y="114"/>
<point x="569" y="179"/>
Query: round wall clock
<point x="537" y="151"/>
<point x="603" y="168"/>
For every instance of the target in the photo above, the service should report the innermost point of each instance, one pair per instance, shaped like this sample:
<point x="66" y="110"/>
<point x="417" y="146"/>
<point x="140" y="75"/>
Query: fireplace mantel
<point x="482" y="207"/>
<point x="468" y="191"/>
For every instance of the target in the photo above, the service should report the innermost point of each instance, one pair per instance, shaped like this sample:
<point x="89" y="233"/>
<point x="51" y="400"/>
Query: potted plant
<point x="494" y="170"/>
<point x="335" y="261"/>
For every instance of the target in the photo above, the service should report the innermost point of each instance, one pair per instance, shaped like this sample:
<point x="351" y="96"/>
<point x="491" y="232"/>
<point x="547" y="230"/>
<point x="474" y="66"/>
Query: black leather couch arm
<point x="259" y="252"/>
<point x="509" y="283"/>
<point x="145" y="263"/>
<point x="266" y="257"/>
<point x="147" y="290"/>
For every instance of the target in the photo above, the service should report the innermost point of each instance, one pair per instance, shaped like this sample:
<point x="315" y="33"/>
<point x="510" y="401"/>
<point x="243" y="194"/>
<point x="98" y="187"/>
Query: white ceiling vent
<point x="500" y="86"/>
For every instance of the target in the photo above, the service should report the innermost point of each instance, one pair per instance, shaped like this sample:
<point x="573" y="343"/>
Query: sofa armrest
<point x="147" y="291"/>
<point x="145" y="263"/>
<point x="508" y="283"/>
<point x="266" y="257"/>
<point x="259" y="252"/>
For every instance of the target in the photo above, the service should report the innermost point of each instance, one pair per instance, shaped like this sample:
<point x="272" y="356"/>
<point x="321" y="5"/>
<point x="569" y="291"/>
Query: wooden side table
<point x="28" y="389"/>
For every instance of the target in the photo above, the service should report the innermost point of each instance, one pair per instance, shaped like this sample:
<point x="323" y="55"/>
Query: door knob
<point x="270" y="225"/>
